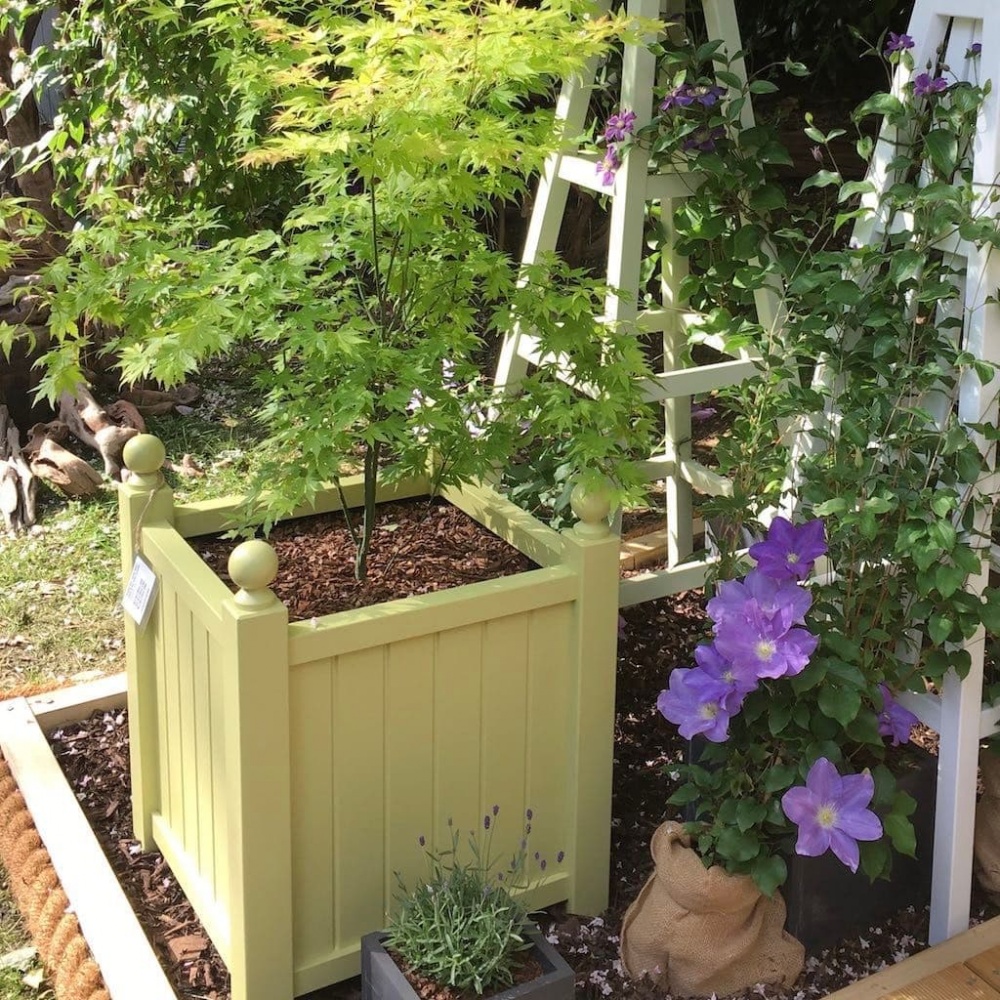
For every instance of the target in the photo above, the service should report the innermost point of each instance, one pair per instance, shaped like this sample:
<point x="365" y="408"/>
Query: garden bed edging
<point x="116" y="940"/>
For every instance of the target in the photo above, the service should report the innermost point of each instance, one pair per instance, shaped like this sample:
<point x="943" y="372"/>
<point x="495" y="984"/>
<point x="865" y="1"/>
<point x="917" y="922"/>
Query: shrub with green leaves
<point x="368" y="301"/>
<point x="462" y="926"/>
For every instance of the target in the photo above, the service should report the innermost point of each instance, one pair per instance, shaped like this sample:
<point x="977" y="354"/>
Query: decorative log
<point x="126" y="414"/>
<point x="156" y="402"/>
<point x="58" y="467"/>
<point x="18" y="486"/>
<point x="91" y="423"/>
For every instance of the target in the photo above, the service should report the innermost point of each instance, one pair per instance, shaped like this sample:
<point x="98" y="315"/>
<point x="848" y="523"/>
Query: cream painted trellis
<point x="944" y="32"/>
<point x="634" y="186"/>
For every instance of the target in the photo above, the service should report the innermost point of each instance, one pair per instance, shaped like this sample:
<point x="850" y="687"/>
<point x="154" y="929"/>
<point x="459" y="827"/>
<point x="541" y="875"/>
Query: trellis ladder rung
<point x="656" y="468"/>
<point x="665" y="187"/>
<point x="581" y="169"/>
<point x="661" y="320"/>
<point x="695" y="381"/>
<point x="653" y="584"/>
<point x="703" y="479"/>
<point x="696" y="475"/>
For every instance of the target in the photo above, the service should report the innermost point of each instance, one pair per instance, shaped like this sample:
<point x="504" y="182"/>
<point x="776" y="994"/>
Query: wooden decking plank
<point x="987" y="966"/>
<point x="958" y="949"/>
<point x="956" y="982"/>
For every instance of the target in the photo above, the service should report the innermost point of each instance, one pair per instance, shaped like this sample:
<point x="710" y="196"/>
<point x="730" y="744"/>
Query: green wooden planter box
<point x="286" y="770"/>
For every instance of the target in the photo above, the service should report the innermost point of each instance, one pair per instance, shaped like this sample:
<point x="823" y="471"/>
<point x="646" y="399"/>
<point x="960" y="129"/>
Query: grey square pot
<point x="381" y="978"/>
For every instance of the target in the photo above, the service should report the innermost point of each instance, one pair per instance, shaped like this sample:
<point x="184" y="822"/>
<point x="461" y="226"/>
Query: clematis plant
<point x="766" y="730"/>
<point x="862" y="375"/>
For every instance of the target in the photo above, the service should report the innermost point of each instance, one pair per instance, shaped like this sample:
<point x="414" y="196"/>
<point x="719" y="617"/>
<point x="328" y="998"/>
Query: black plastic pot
<point x="827" y="902"/>
<point x="381" y="978"/>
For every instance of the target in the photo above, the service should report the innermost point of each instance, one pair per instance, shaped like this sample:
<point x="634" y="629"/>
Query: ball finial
<point x="253" y="565"/>
<point x="592" y="506"/>
<point x="144" y="455"/>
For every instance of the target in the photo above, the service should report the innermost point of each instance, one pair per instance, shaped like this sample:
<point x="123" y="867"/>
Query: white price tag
<point x="140" y="592"/>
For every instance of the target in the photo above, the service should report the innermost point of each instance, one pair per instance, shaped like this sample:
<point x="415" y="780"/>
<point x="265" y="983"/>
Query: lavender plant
<point x="862" y="377"/>
<point x="464" y="925"/>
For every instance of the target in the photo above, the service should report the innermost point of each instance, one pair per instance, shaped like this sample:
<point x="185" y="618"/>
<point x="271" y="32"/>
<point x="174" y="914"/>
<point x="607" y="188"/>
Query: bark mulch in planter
<point x="418" y="546"/>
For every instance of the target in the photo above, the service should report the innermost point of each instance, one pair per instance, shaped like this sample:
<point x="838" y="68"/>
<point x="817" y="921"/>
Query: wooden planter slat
<point x="296" y="765"/>
<point x="207" y="517"/>
<point x="410" y="617"/>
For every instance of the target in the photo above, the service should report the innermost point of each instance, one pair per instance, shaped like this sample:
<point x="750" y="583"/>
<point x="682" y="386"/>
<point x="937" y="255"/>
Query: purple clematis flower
<point x="619" y="125"/>
<point x="781" y="599"/>
<point x="711" y="662"/>
<point x="679" y="97"/>
<point x="703" y="140"/>
<point x="609" y="165"/>
<point x="831" y="812"/>
<point x="790" y="550"/>
<point x="975" y="49"/>
<point x="924" y="85"/>
<point x="896" y="43"/>
<point x="694" y="702"/>
<point x="894" y="720"/>
<point x="764" y="646"/>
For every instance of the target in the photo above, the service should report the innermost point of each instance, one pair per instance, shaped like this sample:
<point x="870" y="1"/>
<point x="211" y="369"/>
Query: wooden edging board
<point x="116" y="940"/>
<point x="898" y="981"/>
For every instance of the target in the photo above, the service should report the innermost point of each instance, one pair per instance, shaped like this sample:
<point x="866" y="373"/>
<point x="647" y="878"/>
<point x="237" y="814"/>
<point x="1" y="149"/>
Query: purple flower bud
<point x="559" y="857"/>
<point x="496" y="809"/>
<point x="542" y="865"/>
<point x="449" y="821"/>
<point x="529" y="814"/>
<point x="975" y="49"/>
<point x="422" y="840"/>
<point x="486" y="822"/>
<point x="537" y="855"/>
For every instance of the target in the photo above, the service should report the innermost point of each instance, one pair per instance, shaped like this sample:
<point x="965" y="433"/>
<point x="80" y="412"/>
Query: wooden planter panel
<point x="286" y="771"/>
<point x="387" y="739"/>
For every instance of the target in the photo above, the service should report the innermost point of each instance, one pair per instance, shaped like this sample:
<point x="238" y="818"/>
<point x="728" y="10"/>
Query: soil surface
<point x="418" y="546"/>
<point x="654" y="637"/>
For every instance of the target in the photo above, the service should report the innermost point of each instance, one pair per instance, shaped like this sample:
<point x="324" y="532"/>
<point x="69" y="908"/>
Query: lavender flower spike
<point x="831" y="812"/>
<point x="790" y="550"/>
<point x="694" y="703"/>
<point x="894" y="720"/>
<point x="924" y="86"/>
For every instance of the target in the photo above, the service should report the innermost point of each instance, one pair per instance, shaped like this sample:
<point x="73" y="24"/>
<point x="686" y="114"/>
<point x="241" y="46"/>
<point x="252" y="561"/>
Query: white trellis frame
<point x="944" y="32"/>
<point x="634" y="186"/>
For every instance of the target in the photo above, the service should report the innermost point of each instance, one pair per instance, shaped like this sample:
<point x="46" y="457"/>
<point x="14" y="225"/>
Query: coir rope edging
<point x="72" y="972"/>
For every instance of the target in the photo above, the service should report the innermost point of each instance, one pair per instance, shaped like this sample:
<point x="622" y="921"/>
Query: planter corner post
<point x="592" y="549"/>
<point x="258" y="765"/>
<point x="143" y="498"/>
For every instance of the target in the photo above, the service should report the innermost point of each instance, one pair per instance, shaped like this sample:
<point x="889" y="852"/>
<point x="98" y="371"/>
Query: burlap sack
<point x="987" y="842"/>
<point x="697" y="931"/>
